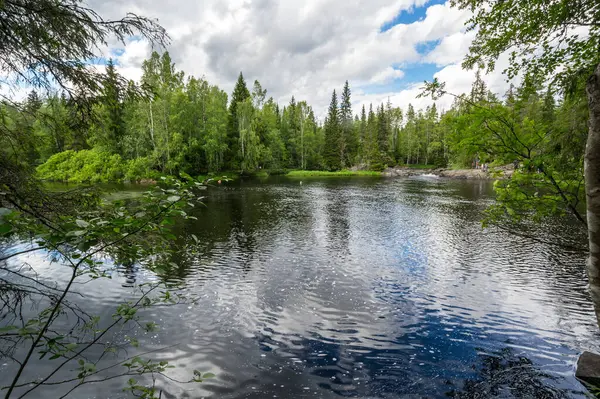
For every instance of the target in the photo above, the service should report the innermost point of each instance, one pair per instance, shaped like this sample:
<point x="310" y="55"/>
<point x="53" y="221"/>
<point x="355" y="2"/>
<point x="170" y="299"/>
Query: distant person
<point x="516" y="164"/>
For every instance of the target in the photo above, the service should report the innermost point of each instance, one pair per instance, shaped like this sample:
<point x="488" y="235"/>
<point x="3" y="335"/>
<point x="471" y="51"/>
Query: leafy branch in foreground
<point x="64" y="333"/>
<point x="547" y="180"/>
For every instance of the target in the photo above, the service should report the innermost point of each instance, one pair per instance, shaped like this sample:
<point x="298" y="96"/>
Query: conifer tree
<point x="331" y="152"/>
<point x="362" y="135"/>
<point x="348" y="143"/>
<point x="115" y="124"/>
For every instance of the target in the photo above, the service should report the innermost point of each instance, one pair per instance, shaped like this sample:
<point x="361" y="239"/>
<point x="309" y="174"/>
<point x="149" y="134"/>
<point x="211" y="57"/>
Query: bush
<point x="87" y="166"/>
<point x="138" y="169"/>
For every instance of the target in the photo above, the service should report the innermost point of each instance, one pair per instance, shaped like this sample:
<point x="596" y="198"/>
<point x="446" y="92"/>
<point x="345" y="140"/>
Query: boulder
<point x="588" y="368"/>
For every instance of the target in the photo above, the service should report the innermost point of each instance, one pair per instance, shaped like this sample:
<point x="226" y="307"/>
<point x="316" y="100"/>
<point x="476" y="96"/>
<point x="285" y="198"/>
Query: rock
<point x="588" y="368"/>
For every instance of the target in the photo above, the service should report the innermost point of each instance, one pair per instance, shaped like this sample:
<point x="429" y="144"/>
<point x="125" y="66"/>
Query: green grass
<point x="324" y="173"/>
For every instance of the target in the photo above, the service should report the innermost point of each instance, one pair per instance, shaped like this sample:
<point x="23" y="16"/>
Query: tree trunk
<point x="592" y="187"/>
<point x="152" y="127"/>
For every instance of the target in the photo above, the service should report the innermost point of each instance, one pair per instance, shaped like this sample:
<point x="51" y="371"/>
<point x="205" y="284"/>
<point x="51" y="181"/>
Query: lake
<point x="363" y="287"/>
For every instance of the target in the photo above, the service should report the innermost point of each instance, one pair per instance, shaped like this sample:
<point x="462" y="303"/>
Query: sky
<point x="384" y="48"/>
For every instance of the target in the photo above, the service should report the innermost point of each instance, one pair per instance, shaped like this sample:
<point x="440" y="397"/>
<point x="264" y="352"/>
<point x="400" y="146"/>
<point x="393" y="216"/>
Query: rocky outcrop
<point x="474" y="174"/>
<point x="405" y="172"/>
<point x="588" y="368"/>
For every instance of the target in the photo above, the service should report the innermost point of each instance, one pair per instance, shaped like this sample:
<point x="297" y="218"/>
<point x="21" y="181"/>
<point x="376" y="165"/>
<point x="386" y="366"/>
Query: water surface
<point x="371" y="288"/>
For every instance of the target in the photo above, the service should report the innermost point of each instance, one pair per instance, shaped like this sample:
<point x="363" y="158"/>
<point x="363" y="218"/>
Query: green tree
<point x="332" y="152"/>
<point x="348" y="141"/>
<point x="113" y="108"/>
<point x="363" y="136"/>
<point x="240" y="94"/>
<point x="562" y="57"/>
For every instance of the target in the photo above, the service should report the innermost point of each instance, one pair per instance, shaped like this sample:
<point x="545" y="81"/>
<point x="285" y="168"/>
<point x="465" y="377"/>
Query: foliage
<point x="91" y="166"/>
<point x="325" y="173"/>
<point x="128" y="233"/>
<point x="544" y="142"/>
<point x="557" y="39"/>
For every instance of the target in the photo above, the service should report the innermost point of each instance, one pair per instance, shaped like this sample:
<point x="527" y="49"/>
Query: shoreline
<point x="500" y="173"/>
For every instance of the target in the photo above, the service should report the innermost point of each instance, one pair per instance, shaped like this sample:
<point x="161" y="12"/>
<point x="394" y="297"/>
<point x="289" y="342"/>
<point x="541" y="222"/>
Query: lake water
<point x="369" y="288"/>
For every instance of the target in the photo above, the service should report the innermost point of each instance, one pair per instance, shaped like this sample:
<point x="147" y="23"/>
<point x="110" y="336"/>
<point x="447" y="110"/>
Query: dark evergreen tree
<point x="112" y="102"/>
<point x="479" y="88"/>
<point x="382" y="131"/>
<point x="362" y="135"/>
<point x="348" y="141"/>
<point x="331" y="152"/>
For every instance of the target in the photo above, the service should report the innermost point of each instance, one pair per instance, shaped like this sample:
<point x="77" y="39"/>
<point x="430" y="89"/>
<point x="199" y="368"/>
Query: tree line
<point x="185" y="124"/>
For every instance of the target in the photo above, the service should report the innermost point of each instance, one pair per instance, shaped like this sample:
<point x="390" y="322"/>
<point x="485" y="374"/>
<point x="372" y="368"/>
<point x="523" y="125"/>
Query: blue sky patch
<point x="117" y="52"/>
<point x="425" y="47"/>
<point x="419" y="72"/>
<point x="409" y="16"/>
<point x="413" y="73"/>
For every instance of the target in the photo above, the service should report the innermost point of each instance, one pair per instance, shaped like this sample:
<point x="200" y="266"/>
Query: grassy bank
<point x="324" y="173"/>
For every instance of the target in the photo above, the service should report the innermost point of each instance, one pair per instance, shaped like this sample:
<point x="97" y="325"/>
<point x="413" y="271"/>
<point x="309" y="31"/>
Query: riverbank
<point x="397" y="171"/>
<point x="339" y="173"/>
<point x="503" y="172"/>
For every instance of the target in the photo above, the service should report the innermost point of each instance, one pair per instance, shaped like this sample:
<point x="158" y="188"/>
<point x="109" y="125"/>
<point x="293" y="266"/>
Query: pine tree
<point x="331" y="152"/>
<point x="240" y="94"/>
<point x="33" y="103"/>
<point x="348" y="143"/>
<point x="382" y="131"/>
<point x="410" y="129"/>
<point x="372" y="148"/>
<point x="362" y="134"/>
<point x="478" y="89"/>
<point x="112" y="101"/>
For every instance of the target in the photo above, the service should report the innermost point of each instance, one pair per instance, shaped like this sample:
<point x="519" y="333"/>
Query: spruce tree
<point x="240" y="94"/>
<point x="331" y="152"/>
<point x="348" y="143"/>
<point x="115" y="124"/>
<point x="372" y="147"/>
<point x="478" y="89"/>
<point x="382" y="131"/>
<point x="362" y="135"/>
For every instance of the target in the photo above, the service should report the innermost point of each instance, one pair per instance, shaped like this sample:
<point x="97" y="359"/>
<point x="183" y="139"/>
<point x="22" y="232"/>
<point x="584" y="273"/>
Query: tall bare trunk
<point x="152" y="126"/>
<point x="592" y="187"/>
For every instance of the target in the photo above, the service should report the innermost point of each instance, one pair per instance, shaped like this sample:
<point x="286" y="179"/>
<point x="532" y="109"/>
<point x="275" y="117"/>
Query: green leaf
<point x="8" y="328"/>
<point x="82" y="223"/>
<point x="173" y="198"/>
<point x="208" y="375"/>
<point x="5" y="228"/>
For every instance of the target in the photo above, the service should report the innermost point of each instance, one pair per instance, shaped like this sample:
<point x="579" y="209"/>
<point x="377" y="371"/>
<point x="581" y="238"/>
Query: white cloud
<point x="305" y="49"/>
<point x="386" y="76"/>
<point x="451" y="49"/>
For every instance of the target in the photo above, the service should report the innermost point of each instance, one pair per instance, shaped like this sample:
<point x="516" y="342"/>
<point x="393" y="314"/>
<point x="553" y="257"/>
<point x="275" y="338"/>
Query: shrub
<point x="86" y="166"/>
<point x="137" y="169"/>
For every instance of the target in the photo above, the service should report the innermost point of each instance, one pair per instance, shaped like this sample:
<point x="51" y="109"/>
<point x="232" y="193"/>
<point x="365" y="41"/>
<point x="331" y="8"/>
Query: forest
<point x="171" y="123"/>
